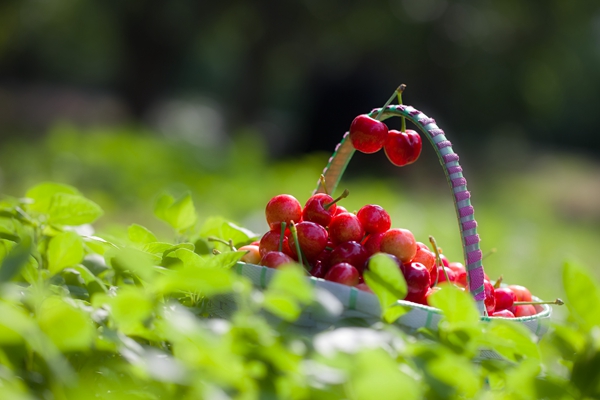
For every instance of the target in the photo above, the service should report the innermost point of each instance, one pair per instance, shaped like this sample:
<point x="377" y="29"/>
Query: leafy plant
<point x="83" y="315"/>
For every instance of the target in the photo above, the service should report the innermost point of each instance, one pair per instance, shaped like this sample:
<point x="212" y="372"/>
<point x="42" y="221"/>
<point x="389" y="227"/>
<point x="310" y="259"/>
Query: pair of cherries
<point x="369" y="135"/>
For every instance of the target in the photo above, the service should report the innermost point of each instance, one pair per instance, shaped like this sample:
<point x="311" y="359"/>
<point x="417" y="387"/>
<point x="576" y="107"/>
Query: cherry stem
<point x="399" y="91"/>
<point x="438" y="261"/>
<point x="387" y="103"/>
<point x="225" y="242"/>
<point x="558" y="302"/>
<point x="296" y="242"/>
<point x="322" y="180"/>
<point x="489" y="253"/>
<point x="281" y="236"/>
<point x="498" y="282"/>
<point x="341" y="196"/>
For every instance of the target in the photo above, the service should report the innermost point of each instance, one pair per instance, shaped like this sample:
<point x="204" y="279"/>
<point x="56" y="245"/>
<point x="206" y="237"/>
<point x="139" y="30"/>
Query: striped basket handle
<point x="449" y="160"/>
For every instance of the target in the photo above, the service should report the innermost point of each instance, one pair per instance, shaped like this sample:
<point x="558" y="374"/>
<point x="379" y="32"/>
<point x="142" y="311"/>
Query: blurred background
<point x="240" y="100"/>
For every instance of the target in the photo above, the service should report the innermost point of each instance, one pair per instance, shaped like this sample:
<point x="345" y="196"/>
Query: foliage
<point x="87" y="316"/>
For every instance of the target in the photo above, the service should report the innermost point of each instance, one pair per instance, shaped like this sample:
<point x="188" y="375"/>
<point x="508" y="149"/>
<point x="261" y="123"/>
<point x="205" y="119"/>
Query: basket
<point x="357" y="304"/>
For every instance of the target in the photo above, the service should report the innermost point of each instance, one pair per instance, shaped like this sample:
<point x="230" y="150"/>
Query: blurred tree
<point x="486" y="69"/>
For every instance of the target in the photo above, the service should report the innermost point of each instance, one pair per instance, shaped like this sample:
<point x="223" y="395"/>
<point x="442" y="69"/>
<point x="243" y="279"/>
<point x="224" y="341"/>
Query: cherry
<point x="372" y="243"/>
<point x="282" y="208"/>
<point x="343" y="273"/>
<point x="504" y="298"/>
<point x="270" y="242"/>
<point x="374" y="218"/>
<point x="460" y="272"/>
<point x="442" y="274"/>
<point x="349" y="252"/>
<point x="367" y="134"/>
<point x="424" y="256"/>
<point x="403" y="148"/>
<point x="318" y="270"/>
<point x="399" y="242"/>
<point x="490" y="299"/>
<point x="252" y="255"/>
<point x="312" y="239"/>
<point x="273" y="259"/>
<point x="524" y="310"/>
<point x="340" y="210"/>
<point x="364" y="287"/>
<point x="445" y="260"/>
<point x="503" y="313"/>
<point x="417" y="279"/>
<point x="522" y="293"/>
<point x="345" y="227"/>
<point x="321" y="207"/>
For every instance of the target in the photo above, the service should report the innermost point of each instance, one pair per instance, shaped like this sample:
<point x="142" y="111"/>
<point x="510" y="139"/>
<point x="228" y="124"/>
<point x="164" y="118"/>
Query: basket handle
<point x="453" y="171"/>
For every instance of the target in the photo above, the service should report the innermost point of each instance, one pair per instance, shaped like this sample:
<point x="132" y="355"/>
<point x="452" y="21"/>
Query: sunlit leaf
<point x="68" y="209"/>
<point x="583" y="295"/>
<point x="457" y="305"/>
<point x="42" y="195"/>
<point x="387" y="282"/>
<point x="179" y="213"/>
<point x="64" y="250"/>
<point x="139" y="234"/>
<point x="69" y="328"/>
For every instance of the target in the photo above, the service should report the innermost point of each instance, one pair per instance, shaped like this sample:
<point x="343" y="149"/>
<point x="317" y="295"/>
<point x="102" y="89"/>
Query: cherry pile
<point x="336" y="245"/>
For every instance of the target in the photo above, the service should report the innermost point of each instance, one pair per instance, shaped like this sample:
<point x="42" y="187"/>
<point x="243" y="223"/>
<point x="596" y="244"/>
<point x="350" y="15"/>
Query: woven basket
<point x="358" y="304"/>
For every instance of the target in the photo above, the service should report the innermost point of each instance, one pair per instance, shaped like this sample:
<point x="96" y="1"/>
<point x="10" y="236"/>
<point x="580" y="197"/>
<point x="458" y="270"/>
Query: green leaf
<point x="223" y="229"/>
<point x="132" y="260"/>
<point x="387" y="282"/>
<point x="139" y="234"/>
<point x="583" y="295"/>
<point x="511" y="340"/>
<point x="180" y="213"/>
<point x="455" y="371"/>
<point x="64" y="250"/>
<point x="16" y="259"/>
<point x="282" y="305"/>
<point x="458" y="306"/>
<point x="375" y="375"/>
<point x="287" y="291"/>
<point x="42" y="195"/>
<point x="68" y="327"/>
<point x="68" y="209"/>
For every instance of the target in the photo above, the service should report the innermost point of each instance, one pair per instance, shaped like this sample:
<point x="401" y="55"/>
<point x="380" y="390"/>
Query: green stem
<point x="295" y="236"/>
<point x="281" y="236"/>
<point x="341" y="196"/>
<point x="387" y="103"/>
<point x="399" y="91"/>
<point x="557" y="302"/>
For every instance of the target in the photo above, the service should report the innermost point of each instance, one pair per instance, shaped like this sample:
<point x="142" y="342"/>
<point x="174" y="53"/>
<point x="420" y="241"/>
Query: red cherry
<point x="399" y="242"/>
<point x="504" y="298"/>
<point x="460" y="272"/>
<point x="312" y="238"/>
<point x="373" y="243"/>
<point x="442" y="275"/>
<point x="522" y="293"/>
<point x="364" y="287"/>
<point x="424" y="256"/>
<point x="319" y="208"/>
<point x="343" y="273"/>
<point x="403" y="148"/>
<point x="503" y="314"/>
<point x="417" y="279"/>
<point x="270" y="242"/>
<point x="340" y="210"/>
<point x="444" y="260"/>
<point x="350" y="252"/>
<point x="318" y="270"/>
<point x="345" y="227"/>
<point x="282" y="208"/>
<point x="490" y="299"/>
<point x="524" y="310"/>
<point x="367" y="134"/>
<point x="374" y="218"/>
<point x="273" y="259"/>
